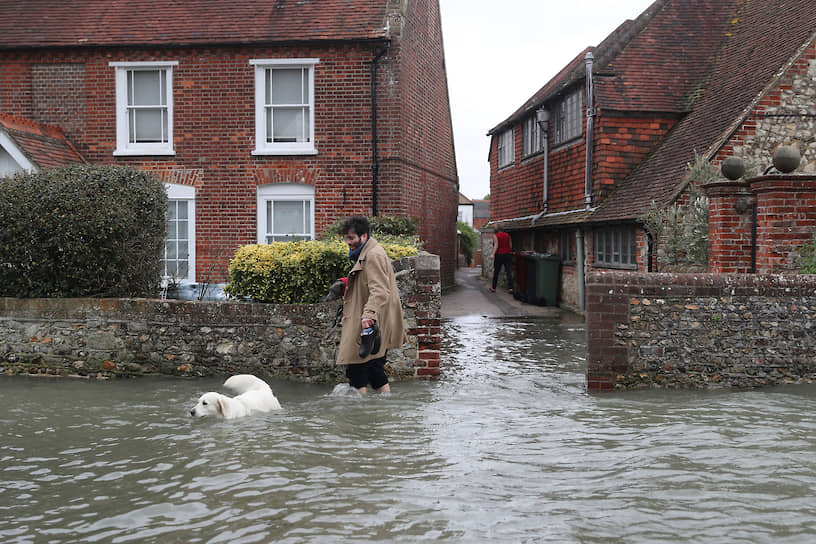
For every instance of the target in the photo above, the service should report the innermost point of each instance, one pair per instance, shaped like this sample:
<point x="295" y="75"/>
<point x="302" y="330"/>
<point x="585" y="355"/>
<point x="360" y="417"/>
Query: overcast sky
<point x="498" y="54"/>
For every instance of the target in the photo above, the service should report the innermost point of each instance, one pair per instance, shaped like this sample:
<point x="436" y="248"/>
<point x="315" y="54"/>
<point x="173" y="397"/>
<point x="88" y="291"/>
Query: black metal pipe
<point x="375" y="162"/>
<point x="753" y="238"/>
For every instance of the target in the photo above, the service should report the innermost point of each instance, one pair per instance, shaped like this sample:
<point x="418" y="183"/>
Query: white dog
<point x="255" y="395"/>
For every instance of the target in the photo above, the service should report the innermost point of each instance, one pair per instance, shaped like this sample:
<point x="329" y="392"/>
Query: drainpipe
<point x="753" y="238"/>
<point x="579" y="265"/>
<point x="375" y="161"/>
<point x="590" y="114"/>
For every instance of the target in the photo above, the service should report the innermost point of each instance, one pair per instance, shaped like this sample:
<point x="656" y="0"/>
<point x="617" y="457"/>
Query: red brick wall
<point x="620" y="143"/>
<point x="214" y="132"/>
<point x="418" y="170"/>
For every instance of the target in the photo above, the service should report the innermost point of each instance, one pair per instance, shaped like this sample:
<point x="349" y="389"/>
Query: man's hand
<point x="366" y="323"/>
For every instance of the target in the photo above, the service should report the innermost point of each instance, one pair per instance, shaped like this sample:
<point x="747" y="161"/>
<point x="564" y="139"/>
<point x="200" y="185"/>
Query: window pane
<point x="171" y="269"/>
<point x="307" y="221"/>
<point x="147" y="87"/>
<point x="181" y="230"/>
<point x="171" y="250"/>
<point x="149" y="125"/>
<point x="182" y="209"/>
<point x="287" y="86"/>
<point x="171" y="230"/>
<point x="288" y="217"/>
<point x="288" y="125"/>
<point x="183" y="251"/>
<point x="183" y="268"/>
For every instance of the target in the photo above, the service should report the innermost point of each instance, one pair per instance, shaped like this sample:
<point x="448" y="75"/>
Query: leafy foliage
<point x="807" y="257"/>
<point x="468" y="241"/>
<point x="387" y="229"/>
<point x="81" y="231"/>
<point x="294" y="272"/>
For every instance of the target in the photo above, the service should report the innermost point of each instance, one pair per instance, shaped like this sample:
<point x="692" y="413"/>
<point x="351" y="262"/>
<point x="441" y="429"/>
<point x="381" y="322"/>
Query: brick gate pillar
<point x="729" y="227"/>
<point x="786" y="219"/>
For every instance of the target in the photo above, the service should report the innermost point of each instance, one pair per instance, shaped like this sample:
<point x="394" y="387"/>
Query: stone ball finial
<point x="786" y="158"/>
<point x="733" y="168"/>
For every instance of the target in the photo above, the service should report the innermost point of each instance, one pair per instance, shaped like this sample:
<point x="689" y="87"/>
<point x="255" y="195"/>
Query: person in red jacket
<point x="502" y="256"/>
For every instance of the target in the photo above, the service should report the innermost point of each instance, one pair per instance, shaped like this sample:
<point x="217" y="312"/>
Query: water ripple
<point x="506" y="447"/>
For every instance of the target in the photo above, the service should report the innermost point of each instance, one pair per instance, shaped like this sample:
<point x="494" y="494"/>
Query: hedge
<point x="81" y="231"/>
<point x="294" y="272"/>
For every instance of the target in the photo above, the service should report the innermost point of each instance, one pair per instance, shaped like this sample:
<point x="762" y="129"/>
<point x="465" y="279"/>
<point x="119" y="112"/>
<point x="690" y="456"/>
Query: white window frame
<point x="567" y="117"/>
<point x="284" y="191"/>
<point x="262" y="147"/>
<point x="505" y="149"/>
<point x="124" y="146"/>
<point x="616" y="247"/>
<point x="532" y="141"/>
<point x="177" y="192"/>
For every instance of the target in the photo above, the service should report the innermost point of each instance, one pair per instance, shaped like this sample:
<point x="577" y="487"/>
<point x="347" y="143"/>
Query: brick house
<point x="265" y="120"/>
<point x="575" y="169"/>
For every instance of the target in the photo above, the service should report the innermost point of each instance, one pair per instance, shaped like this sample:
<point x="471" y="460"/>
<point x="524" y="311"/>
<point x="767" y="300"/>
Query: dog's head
<point x="209" y="404"/>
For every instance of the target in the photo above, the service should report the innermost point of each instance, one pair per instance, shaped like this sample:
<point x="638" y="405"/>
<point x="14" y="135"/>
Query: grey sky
<point x="499" y="54"/>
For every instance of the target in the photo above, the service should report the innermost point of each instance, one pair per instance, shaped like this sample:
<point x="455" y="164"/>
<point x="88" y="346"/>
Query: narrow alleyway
<point x="471" y="296"/>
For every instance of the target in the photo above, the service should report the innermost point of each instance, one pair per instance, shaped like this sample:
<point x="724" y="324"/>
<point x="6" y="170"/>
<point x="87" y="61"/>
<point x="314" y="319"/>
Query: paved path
<point x="471" y="296"/>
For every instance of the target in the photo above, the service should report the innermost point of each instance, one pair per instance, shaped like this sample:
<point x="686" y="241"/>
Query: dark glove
<point x="335" y="291"/>
<point x="369" y="341"/>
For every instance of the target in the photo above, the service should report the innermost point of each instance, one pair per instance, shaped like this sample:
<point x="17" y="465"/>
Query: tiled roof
<point x="575" y="71"/>
<point x="463" y="200"/>
<point x="761" y="38"/>
<point x="43" y="145"/>
<point x="44" y="23"/>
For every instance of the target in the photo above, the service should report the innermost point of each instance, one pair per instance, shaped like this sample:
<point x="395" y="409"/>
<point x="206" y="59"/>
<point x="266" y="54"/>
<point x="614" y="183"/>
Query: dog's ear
<point x="221" y="406"/>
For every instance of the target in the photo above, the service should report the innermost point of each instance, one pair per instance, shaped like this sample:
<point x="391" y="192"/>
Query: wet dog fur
<point x="254" y="395"/>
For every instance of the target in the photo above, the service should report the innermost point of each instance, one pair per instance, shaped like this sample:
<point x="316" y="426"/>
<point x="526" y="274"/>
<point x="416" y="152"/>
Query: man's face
<point x="355" y="241"/>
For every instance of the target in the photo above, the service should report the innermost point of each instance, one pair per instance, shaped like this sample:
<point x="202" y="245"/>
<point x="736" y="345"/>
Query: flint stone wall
<point x="125" y="337"/>
<point x="696" y="331"/>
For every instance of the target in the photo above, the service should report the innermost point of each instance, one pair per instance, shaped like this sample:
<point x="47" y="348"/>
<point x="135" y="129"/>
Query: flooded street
<point x="507" y="447"/>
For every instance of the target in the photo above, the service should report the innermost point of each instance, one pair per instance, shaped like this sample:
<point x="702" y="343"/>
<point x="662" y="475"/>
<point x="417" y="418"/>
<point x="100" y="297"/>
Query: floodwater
<point x="507" y="447"/>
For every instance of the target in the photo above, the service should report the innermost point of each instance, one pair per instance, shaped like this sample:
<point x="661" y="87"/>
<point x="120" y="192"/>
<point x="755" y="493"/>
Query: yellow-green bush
<point x="294" y="272"/>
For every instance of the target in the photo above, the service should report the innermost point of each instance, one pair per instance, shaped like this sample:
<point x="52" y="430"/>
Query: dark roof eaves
<point x="191" y="44"/>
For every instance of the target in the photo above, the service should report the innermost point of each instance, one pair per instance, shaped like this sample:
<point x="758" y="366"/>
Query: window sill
<point x="279" y="152"/>
<point x="143" y="152"/>
<point x="566" y="144"/>
<point x="615" y="266"/>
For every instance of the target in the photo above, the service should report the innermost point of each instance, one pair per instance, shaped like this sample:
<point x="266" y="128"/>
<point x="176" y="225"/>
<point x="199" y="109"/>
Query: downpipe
<point x="590" y="115"/>
<point x="375" y="161"/>
<point x="579" y="265"/>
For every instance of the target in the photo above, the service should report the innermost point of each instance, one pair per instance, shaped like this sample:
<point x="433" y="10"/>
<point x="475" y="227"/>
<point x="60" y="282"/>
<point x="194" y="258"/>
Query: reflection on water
<point x="508" y="447"/>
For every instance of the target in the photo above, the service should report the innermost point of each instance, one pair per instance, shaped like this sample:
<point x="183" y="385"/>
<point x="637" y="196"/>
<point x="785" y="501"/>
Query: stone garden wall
<point x="122" y="337"/>
<point x="699" y="330"/>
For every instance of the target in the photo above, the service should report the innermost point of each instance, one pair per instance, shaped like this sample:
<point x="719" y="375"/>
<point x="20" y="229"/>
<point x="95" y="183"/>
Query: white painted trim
<point x="176" y="191"/>
<point x="123" y="145"/>
<point x="261" y="147"/>
<point x="15" y="152"/>
<point x="282" y="191"/>
<point x="293" y="62"/>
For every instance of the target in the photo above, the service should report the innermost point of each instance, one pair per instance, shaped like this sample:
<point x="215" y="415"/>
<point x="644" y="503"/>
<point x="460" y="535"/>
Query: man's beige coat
<point x="371" y="293"/>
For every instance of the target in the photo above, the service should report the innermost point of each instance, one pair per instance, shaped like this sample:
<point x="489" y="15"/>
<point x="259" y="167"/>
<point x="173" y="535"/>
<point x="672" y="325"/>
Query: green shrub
<point x="81" y="231"/>
<point x="807" y="257"/>
<point x="468" y="240"/>
<point x="294" y="272"/>
<point x="386" y="229"/>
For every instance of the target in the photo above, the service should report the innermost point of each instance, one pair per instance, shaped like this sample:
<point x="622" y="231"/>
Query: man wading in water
<point x="372" y="311"/>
